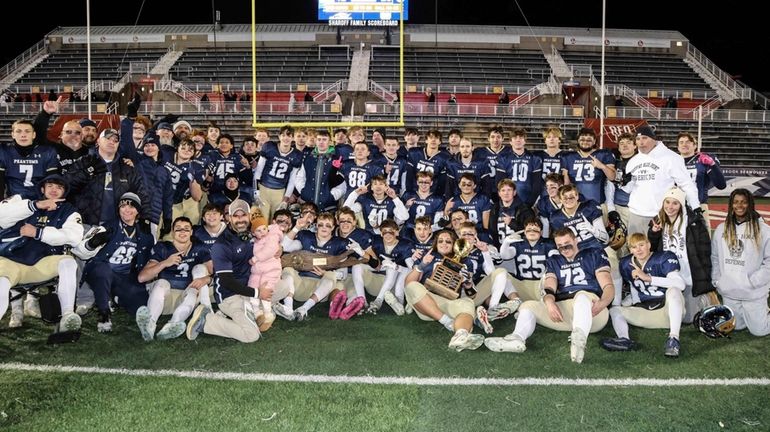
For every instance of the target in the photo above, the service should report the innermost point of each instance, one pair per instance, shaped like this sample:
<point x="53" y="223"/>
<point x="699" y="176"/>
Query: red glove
<point x="337" y="163"/>
<point x="706" y="159"/>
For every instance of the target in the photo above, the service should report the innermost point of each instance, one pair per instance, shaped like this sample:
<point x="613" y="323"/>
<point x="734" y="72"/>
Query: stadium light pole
<point x="88" y="56"/>
<point x="601" y="85"/>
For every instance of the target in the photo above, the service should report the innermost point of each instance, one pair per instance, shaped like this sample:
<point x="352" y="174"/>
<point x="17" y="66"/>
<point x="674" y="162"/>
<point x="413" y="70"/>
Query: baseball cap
<point x="239" y="205"/>
<point x="87" y="122"/>
<point x="109" y="133"/>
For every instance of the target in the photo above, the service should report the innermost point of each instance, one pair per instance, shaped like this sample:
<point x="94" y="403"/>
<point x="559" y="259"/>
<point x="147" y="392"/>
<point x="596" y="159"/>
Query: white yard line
<point x="424" y="381"/>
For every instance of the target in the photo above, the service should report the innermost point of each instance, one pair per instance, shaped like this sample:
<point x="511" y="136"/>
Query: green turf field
<point x="381" y="346"/>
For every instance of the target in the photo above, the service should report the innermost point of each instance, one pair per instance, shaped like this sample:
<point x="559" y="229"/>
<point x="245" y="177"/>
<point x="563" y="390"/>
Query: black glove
<point x="133" y="106"/>
<point x="166" y="228"/>
<point x="98" y="240"/>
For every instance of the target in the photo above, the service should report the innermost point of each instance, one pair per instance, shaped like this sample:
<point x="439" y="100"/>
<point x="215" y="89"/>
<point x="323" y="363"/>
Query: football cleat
<point x="462" y="340"/>
<point x="577" y="347"/>
<point x="83" y="309"/>
<point x="145" y="323"/>
<point x="32" y="306"/>
<point x="502" y="310"/>
<point x="393" y="302"/>
<point x="510" y="343"/>
<point x="356" y="305"/>
<point x="671" y="349"/>
<point x="482" y="320"/>
<point x="197" y="322"/>
<point x="17" y="319"/>
<point x="300" y="314"/>
<point x="171" y="330"/>
<point x="70" y="322"/>
<point x="374" y="307"/>
<point x="618" y="344"/>
<point x="283" y="311"/>
<point x="337" y="304"/>
<point x="103" y="323"/>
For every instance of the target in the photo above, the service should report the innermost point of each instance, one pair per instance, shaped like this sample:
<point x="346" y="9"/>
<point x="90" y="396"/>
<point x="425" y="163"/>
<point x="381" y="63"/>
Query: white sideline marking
<point x="435" y="381"/>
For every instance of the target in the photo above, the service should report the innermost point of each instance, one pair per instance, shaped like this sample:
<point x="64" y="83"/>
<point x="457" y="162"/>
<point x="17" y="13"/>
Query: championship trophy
<point x="447" y="279"/>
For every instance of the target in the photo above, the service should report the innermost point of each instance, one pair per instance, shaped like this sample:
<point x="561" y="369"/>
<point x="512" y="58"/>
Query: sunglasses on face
<point x="73" y="132"/>
<point x="183" y="230"/>
<point x="345" y="221"/>
<point x="423" y="182"/>
<point x="565" y="247"/>
<point x="388" y="232"/>
<point x="444" y="242"/>
<point x="325" y="226"/>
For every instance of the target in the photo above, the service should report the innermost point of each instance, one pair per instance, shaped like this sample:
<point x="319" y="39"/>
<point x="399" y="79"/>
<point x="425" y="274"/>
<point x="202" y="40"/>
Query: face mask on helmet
<point x="715" y="321"/>
<point x="616" y="230"/>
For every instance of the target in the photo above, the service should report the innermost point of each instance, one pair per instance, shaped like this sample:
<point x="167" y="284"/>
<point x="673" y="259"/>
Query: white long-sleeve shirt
<point x="652" y="175"/>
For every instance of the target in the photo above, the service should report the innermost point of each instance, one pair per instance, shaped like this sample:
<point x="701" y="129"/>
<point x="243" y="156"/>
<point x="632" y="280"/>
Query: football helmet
<point x="715" y="321"/>
<point x="616" y="230"/>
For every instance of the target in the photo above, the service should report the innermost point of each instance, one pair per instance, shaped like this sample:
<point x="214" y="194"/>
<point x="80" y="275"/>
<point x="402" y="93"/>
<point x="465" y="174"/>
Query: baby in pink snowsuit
<point x="265" y="266"/>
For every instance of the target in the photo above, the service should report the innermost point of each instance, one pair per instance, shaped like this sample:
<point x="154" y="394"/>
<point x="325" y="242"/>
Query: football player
<point x="379" y="204"/>
<point x="177" y="272"/>
<point x="589" y="167"/>
<point x="277" y="172"/>
<point x="24" y="163"/>
<point x="656" y="299"/>
<point x="523" y="167"/>
<point x="578" y="289"/>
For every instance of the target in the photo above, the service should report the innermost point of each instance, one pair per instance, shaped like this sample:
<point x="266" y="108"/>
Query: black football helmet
<point x="715" y="321"/>
<point x="616" y="230"/>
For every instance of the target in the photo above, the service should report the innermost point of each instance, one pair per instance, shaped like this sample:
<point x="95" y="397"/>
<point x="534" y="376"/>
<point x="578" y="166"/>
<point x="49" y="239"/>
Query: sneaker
<point x="32" y="306"/>
<point x="17" y="319"/>
<point x="171" y="330"/>
<point x="103" y="323"/>
<point x="618" y="344"/>
<point x="70" y="322"/>
<point x="374" y="307"/>
<point x="338" y="303"/>
<point x="463" y="340"/>
<point x="283" y="311"/>
<point x="502" y="310"/>
<point x="510" y="343"/>
<point x="356" y="305"/>
<point x="197" y="322"/>
<point x="300" y="314"/>
<point x="145" y="323"/>
<point x="577" y="346"/>
<point x="482" y="320"/>
<point x="393" y="302"/>
<point x="671" y="349"/>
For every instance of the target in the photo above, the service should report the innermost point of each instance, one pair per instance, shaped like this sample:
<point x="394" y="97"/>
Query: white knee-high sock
<point x="288" y="301"/>
<point x="387" y="285"/>
<point x="68" y="274"/>
<point x="324" y="288"/>
<point x="509" y="289"/>
<point x="204" y="292"/>
<point x="582" y="314"/>
<point x="675" y="304"/>
<point x="498" y="288"/>
<point x="157" y="297"/>
<point x="5" y="295"/>
<point x="358" y="279"/>
<point x="619" y="322"/>
<point x="525" y="324"/>
<point x="398" y="290"/>
<point x="185" y="309"/>
<point x="17" y="306"/>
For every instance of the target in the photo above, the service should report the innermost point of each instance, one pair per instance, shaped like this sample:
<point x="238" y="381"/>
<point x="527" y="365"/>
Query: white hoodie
<point x="743" y="272"/>
<point x="653" y="174"/>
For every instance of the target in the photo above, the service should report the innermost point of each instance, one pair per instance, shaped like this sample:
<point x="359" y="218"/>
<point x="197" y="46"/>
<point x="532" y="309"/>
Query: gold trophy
<point x="446" y="280"/>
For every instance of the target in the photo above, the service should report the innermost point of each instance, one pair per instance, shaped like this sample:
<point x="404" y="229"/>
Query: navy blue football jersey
<point x="278" y="166"/>
<point x="660" y="264"/>
<point x="578" y="274"/>
<point x="589" y="180"/>
<point x="428" y="207"/>
<point x="180" y="275"/>
<point x="23" y="172"/>
<point x="525" y="170"/>
<point x="586" y="212"/>
<point x="334" y="246"/>
<point x="530" y="259"/>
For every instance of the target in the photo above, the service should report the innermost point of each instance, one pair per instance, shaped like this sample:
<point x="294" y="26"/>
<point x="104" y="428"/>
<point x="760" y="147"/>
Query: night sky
<point x="735" y="39"/>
